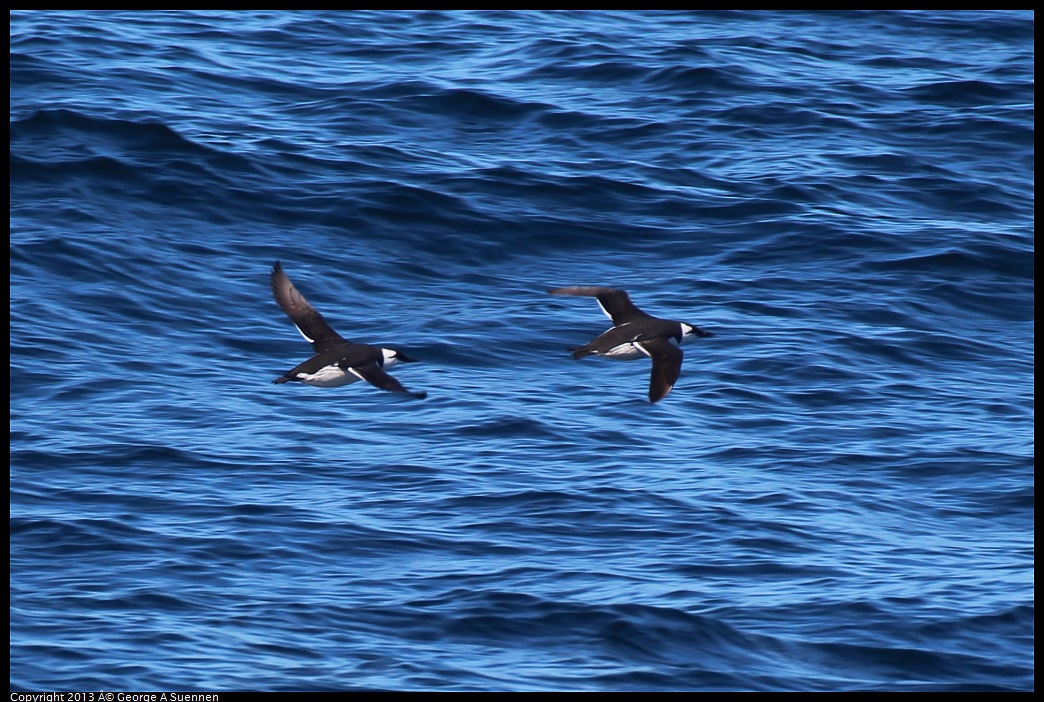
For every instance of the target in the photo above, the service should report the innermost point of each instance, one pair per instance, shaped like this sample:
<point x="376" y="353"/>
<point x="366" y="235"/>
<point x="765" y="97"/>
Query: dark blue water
<point x="837" y="494"/>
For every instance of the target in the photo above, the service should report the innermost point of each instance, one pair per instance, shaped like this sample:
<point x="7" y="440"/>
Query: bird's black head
<point x="403" y="358"/>
<point x="693" y="330"/>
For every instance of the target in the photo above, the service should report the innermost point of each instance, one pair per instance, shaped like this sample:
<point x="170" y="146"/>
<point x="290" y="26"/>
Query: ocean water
<point x="837" y="494"/>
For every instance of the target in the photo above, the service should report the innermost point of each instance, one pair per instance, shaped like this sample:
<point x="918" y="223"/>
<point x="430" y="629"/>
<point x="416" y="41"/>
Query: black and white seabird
<point x="337" y="361"/>
<point x="636" y="334"/>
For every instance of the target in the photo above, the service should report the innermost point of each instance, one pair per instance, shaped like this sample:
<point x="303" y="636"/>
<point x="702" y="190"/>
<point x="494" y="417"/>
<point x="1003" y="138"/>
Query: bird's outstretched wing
<point x="614" y="302"/>
<point x="666" y="366"/>
<point x="306" y="318"/>
<point x="375" y="376"/>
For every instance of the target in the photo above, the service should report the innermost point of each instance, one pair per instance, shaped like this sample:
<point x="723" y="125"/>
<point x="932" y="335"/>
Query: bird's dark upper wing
<point x="666" y="366"/>
<point x="615" y="303"/>
<point x="306" y="318"/>
<point x="375" y="376"/>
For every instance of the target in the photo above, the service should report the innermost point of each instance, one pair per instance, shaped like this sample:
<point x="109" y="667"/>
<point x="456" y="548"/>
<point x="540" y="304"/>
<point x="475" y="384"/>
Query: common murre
<point x="635" y="334"/>
<point x="337" y="361"/>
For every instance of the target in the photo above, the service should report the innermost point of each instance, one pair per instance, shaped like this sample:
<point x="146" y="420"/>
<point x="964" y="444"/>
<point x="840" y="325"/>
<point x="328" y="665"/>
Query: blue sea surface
<point x="837" y="494"/>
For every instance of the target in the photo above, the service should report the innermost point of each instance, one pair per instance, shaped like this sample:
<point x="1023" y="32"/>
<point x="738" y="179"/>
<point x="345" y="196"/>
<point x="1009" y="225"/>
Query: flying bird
<point x="337" y="361"/>
<point x="636" y="334"/>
